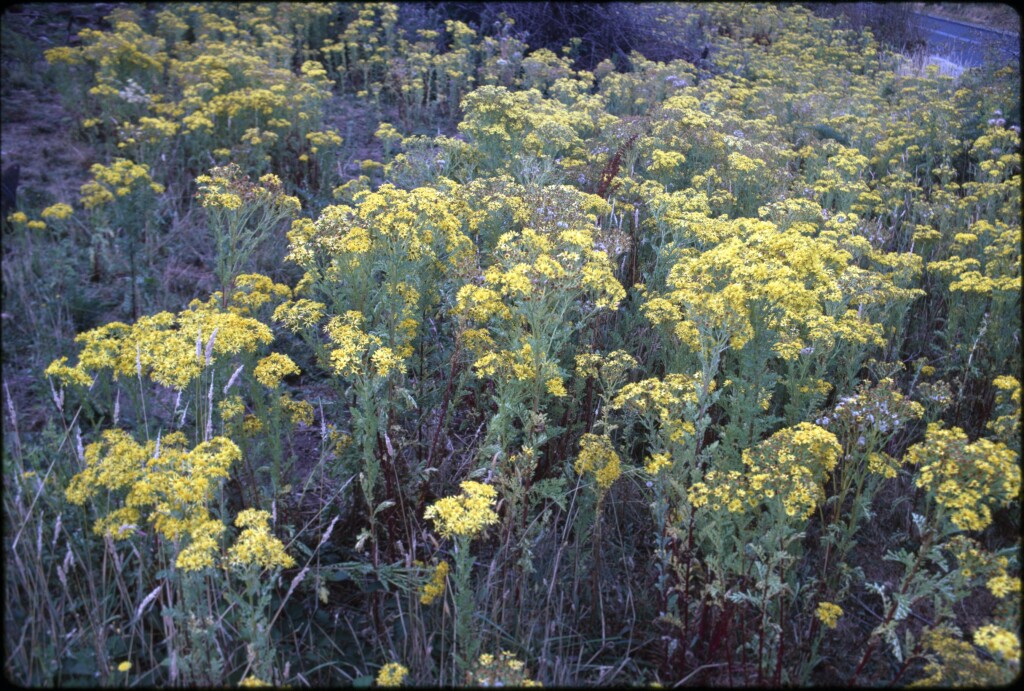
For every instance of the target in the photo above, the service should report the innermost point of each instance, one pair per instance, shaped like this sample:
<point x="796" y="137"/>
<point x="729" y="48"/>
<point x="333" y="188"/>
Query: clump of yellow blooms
<point x="57" y="212"/>
<point x="253" y="291"/>
<point x="436" y="587"/>
<point x="965" y="479"/>
<point x="789" y="467"/>
<point x="256" y="544"/>
<point x="170" y="349"/>
<point x="656" y="462"/>
<point x="466" y="514"/>
<point x="231" y="408"/>
<point x="59" y="370"/>
<point x="828" y="613"/>
<point x="724" y="489"/>
<point x="502" y="669"/>
<point x="611" y="367"/>
<point x="663" y="398"/>
<point x="1006" y="426"/>
<point x="299" y="314"/>
<point x="597" y="456"/>
<point x="353" y="343"/>
<point x="392" y="674"/>
<point x="271" y="369"/>
<point x="164" y="483"/>
<point x="556" y="387"/>
<point x="793" y="463"/>
<point x="954" y="662"/>
<point x="999" y="641"/>
<point x="298" y="412"/>
<point x="794" y="282"/>
<point x="228" y="188"/>
<point x="119" y="179"/>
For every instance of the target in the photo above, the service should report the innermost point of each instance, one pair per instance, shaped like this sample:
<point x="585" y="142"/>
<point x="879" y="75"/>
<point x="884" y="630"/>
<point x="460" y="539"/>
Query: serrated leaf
<point x="894" y="644"/>
<point x="902" y="608"/>
<point x="552" y="488"/>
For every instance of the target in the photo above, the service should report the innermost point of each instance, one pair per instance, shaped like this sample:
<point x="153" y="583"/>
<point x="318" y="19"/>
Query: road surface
<point x="966" y="44"/>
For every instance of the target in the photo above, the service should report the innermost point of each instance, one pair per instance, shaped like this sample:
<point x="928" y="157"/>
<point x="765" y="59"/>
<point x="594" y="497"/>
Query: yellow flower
<point x="385" y="360"/>
<point x="598" y="456"/>
<point x="299" y="314"/>
<point x="297" y="411"/>
<point x="392" y="674"/>
<point x="556" y="387"/>
<point x="256" y="545"/>
<point x="829" y="613"/>
<point x="1003" y="585"/>
<point x="467" y="514"/>
<point x="999" y="641"/>
<point x="59" y="370"/>
<point x="656" y="462"/>
<point x="964" y="478"/>
<point x="57" y="212"/>
<point x="124" y="666"/>
<point x="271" y="369"/>
<point x="435" y="588"/>
<point x="231" y="407"/>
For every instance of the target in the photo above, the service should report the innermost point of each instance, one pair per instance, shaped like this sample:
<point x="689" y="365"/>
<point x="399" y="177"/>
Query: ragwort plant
<point x="726" y="353"/>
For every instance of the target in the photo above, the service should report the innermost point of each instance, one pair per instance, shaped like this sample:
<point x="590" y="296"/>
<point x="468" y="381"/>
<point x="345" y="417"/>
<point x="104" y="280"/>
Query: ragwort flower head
<point x="392" y="674"/>
<point x="598" y="456"/>
<point x="999" y="641"/>
<point x="466" y="514"/>
<point x="965" y="479"/>
<point x="436" y="587"/>
<point x="829" y="613"/>
<point x="793" y="464"/>
<point x="256" y="545"/>
<point x="271" y="369"/>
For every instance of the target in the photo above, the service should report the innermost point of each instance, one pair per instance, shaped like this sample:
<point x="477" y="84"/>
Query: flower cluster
<point x="965" y="478"/>
<point x="392" y="674"/>
<point x="787" y="469"/>
<point x="466" y="514"/>
<point x="170" y="349"/>
<point x="256" y="545"/>
<point x="436" y="587"/>
<point x="120" y="179"/>
<point x="164" y="483"/>
<point x="271" y="369"/>
<point x="828" y="613"/>
<point x="503" y="669"/>
<point x="597" y="456"/>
